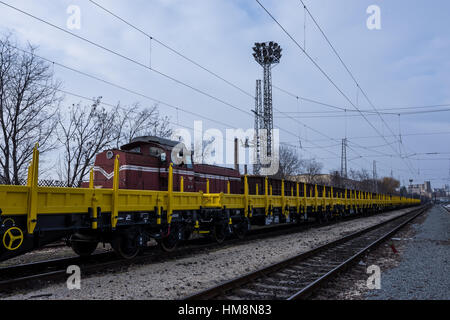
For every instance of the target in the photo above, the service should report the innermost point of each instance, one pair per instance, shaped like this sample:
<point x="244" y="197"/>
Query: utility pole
<point x="236" y="154"/>
<point x="449" y="169"/>
<point x="375" y="182"/>
<point x="344" y="158"/>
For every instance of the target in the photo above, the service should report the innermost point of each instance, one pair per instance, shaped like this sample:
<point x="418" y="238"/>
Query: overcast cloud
<point x="405" y="64"/>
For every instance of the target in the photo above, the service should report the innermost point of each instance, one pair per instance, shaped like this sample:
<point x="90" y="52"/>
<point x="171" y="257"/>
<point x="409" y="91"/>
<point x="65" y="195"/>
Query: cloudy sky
<point x="403" y="68"/>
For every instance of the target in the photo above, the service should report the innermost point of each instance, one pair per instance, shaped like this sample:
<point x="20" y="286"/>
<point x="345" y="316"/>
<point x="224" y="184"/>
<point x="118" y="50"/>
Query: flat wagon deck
<point x="32" y="216"/>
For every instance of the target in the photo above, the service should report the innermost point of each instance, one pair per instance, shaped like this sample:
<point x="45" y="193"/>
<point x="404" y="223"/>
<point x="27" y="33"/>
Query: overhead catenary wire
<point x="178" y="80"/>
<point x="194" y="62"/>
<point x="408" y="165"/>
<point x="134" y="92"/>
<point x="341" y="109"/>
<point x="403" y="135"/>
<point x="357" y="115"/>
<point x="325" y="74"/>
<point x="197" y="64"/>
<point x="185" y="57"/>
<point x="221" y="78"/>
<point x="139" y="64"/>
<point x="129" y="59"/>
<point x="359" y="88"/>
<point x="177" y="52"/>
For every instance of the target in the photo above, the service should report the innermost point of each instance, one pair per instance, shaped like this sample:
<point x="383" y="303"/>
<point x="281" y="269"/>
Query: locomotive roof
<point x="150" y="139"/>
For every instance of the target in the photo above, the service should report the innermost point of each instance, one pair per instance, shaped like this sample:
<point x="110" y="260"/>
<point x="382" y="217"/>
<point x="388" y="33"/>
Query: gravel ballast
<point x="177" y="278"/>
<point x="425" y="266"/>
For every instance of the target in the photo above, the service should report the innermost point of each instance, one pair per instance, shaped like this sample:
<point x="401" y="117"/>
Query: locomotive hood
<point x="165" y="143"/>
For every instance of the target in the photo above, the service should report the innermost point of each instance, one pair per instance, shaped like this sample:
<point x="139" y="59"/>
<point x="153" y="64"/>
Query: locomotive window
<point x="188" y="161"/>
<point x="136" y="149"/>
<point x="155" y="151"/>
<point x="185" y="159"/>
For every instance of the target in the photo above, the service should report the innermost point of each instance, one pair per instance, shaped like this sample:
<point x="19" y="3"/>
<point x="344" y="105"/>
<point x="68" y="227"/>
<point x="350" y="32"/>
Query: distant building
<point x="442" y="194"/>
<point x="421" y="189"/>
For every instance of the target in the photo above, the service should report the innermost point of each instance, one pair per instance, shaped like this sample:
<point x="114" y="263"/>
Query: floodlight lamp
<point x="267" y="52"/>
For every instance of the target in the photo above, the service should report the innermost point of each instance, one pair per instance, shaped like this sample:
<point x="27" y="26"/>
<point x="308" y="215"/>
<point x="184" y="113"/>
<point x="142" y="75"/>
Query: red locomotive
<point x="144" y="164"/>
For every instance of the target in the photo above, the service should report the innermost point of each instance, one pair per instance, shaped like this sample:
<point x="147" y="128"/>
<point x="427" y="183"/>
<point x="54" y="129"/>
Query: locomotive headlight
<point x="109" y="155"/>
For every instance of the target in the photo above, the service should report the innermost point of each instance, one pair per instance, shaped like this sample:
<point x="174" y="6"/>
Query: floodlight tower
<point x="267" y="54"/>
<point x="258" y="124"/>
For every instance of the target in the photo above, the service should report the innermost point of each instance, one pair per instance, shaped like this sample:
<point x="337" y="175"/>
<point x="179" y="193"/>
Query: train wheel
<point x="241" y="229"/>
<point x="321" y="217"/>
<point x="170" y="243"/>
<point x="125" y="246"/>
<point x="82" y="246"/>
<point x="219" y="232"/>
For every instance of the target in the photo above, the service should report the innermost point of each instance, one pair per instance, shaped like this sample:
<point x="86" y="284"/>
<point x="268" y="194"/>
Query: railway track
<point x="299" y="276"/>
<point x="37" y="274"/>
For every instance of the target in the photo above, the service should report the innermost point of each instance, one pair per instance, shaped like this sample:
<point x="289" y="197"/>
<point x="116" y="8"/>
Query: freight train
<point x="136" y="194"/>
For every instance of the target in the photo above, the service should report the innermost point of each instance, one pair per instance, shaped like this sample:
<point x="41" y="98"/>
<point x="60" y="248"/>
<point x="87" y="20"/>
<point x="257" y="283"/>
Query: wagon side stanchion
<point x="33" y="175"/>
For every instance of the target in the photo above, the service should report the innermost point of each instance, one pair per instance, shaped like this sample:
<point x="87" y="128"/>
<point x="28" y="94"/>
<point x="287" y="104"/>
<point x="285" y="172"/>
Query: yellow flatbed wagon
<point x="32" y="216"/>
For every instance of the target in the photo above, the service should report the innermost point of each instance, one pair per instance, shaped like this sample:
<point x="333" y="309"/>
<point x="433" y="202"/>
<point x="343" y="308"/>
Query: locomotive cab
<point x="144" y="165"/>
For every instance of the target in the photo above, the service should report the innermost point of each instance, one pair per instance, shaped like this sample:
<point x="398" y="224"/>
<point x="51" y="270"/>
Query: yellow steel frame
<point x="32" y="200"/>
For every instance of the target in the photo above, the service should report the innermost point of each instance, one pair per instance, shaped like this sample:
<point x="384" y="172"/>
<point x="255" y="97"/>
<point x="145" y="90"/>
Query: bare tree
<point x="336" y="179"/>
<point x="202" y="150"/>
<point x="28" y="106"/>
<point x="312" y="169"/>
<point x="133" y="122"/>
<point x="403" y="191"/>
<point x="361" y="180"/>
<point x="90" y="129"/>
<point x="388" y="185"/>
<point x="289" y="163"/>
<point x="85" y="133"/>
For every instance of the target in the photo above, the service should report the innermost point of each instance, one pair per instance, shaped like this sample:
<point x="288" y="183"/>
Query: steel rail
<point x="222" y="290"/>
<point x="16" y="276"/>
<point x="314" y="285"/>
